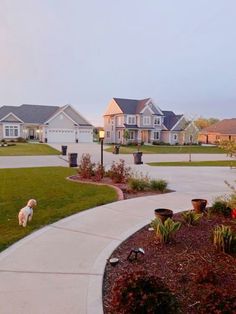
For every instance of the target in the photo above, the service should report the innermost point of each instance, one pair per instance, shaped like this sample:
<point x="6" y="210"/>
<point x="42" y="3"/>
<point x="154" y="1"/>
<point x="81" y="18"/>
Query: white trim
<point x="194" y="125"/>
<point x="58" y="113"/>
<point x="6" y="124"/>
<point x="11" y="113"/>
<point x="172" y="129"/>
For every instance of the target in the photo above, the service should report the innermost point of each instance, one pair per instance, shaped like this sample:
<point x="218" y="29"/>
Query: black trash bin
<point x="73" y="159"/>
<point x="116" y="149"/>
<point x="138" y="158"/>
<point x="63" y="150"/>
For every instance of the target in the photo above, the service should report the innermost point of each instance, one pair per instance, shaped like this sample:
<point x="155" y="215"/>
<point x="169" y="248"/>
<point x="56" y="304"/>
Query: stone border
<point x="118" y="190"/>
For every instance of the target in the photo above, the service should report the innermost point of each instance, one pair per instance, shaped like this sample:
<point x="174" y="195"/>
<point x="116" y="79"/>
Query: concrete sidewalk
<point x="59" y="269"/>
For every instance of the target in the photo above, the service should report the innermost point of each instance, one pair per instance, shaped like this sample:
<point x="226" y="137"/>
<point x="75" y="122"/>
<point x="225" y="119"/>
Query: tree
<point x="126" y="135"/>
<point x="202" y="123"/>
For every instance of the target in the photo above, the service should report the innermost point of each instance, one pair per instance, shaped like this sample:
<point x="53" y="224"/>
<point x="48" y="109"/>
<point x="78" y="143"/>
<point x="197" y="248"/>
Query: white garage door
<point x="61" y="135"/>
<point x="85" y="136"/>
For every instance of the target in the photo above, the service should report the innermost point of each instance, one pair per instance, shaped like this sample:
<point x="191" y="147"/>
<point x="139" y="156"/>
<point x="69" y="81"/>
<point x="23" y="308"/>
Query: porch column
<point x="139" y="136"/>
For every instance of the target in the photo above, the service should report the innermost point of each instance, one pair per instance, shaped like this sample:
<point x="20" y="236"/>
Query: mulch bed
<point x="202" y="279"/>
<point x="126" y="193"/>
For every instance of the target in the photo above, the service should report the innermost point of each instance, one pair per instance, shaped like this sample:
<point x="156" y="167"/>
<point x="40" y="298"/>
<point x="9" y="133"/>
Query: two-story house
<point x="130" y="120"/>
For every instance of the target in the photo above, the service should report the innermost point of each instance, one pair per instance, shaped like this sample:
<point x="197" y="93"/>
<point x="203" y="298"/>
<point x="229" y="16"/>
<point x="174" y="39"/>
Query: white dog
<point x="26" y="213"/>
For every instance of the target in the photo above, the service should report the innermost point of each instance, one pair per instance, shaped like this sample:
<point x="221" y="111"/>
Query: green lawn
<point x="28" y="149"/>
<point x="56" y="197"/>
<point x="218" y="163"/>
<point x="159" y="149"/>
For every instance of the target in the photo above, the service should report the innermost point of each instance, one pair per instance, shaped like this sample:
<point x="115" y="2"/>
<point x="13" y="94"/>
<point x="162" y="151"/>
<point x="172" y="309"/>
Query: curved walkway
<point x="59" y="269"/>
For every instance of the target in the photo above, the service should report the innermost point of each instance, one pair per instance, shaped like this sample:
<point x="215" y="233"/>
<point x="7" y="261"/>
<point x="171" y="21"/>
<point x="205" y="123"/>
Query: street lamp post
<point x="101" y="138"/>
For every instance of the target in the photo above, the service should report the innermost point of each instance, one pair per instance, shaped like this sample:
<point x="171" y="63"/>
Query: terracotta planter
<point x="163" y="213"/>
<point x="199" y="204"/>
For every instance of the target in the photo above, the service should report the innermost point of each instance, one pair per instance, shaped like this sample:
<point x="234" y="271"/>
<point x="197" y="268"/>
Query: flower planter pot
<point x="163" y="213"/>
<point x="199" y="204"/>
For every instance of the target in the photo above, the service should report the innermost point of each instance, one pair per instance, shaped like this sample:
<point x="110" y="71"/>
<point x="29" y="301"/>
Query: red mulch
<point x="189" y="266"/>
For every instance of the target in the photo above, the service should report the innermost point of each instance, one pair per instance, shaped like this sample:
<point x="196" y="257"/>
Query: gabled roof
<point x="226" y="126"/>
<point x="30" y="113"/>
<point x="131" y="106"/>
<point x="170" y="119"/>
<point x="39" y="114"/>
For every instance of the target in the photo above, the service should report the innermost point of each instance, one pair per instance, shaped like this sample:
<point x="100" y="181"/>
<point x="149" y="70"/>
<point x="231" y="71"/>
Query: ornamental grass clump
<point x="159" y="185"/>
<point x="164" y="231"/>
<point x="139" y="182"/>
<point x="224" y="238"/>
<point x="191" y="217"/>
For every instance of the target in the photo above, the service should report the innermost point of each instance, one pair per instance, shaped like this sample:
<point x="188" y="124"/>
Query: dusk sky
<point x="181" y="53"/>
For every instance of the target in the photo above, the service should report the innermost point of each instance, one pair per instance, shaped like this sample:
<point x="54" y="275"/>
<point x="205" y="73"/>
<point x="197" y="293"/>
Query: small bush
<point x="21" y="140"/>
<point x="159" y="185"/>
<point x="98" y="172"/>
<point x="191" y="217"/>
<point x="220" y="206"/>
<point x="85" y="168"/>
<point x="119" y="173"/>
<point x="138" y="184"/>
<point x="139" y="292"/>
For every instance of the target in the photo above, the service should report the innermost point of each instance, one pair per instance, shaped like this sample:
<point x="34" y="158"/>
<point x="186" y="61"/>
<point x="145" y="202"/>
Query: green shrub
<point x="164" y="231"/>
<point x="191" y="217"/>
<point x="224" y="238"/>
<point x="159" y="185"/>
<point x="220" y="206"/>
<point x="139" y="183"/>
<point x="21" y="140"/>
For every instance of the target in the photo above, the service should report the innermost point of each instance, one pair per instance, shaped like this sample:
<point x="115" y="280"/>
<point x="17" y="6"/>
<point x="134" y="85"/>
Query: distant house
<point x="222" y="130"/>
<point x="45" y="123"/>
<point x="144" y="121"/>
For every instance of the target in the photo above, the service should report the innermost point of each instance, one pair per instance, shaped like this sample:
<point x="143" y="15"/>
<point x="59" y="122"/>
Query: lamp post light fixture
<point x="101" y="138"/>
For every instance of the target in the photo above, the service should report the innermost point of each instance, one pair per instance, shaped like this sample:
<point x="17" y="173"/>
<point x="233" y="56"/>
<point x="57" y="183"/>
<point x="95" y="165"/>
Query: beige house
<point x="219" y="131"/>
<point x="44" y="123"/>
<point x="143" y="121"/>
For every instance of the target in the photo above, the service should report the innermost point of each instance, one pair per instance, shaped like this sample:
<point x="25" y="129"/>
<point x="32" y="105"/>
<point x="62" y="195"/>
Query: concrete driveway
<point x="59" y="269"/>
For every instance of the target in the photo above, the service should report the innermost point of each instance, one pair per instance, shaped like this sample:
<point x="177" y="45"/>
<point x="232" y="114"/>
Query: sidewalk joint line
<point x="48" y="272"/>
<point x="88" y="233"/>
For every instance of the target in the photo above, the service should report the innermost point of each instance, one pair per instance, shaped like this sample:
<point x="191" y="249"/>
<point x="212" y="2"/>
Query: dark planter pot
<point x="163" y="213"/>
<point x="138" y="158"/>
<point x="199" y="205"/>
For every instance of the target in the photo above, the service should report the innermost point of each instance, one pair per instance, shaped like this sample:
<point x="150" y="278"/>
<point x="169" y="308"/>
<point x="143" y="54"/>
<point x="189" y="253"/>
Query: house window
<point x="157" y="120"/>
<point x="108" y="134"/>
<point x="156" y="135"/>
<point x="131" y="135"/>
<point x="146" y="120"/>
<point x="11" y="131"/>
<point x="131" y="120"/>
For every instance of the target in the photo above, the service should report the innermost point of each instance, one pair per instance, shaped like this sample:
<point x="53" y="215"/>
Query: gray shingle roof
<point x="170" y="119"/>
<point x="131" y="106"/>
<point x="30" y="113"/>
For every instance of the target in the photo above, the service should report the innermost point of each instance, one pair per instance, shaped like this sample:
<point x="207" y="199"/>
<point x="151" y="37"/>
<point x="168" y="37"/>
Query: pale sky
<point x="181" y="53"/>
